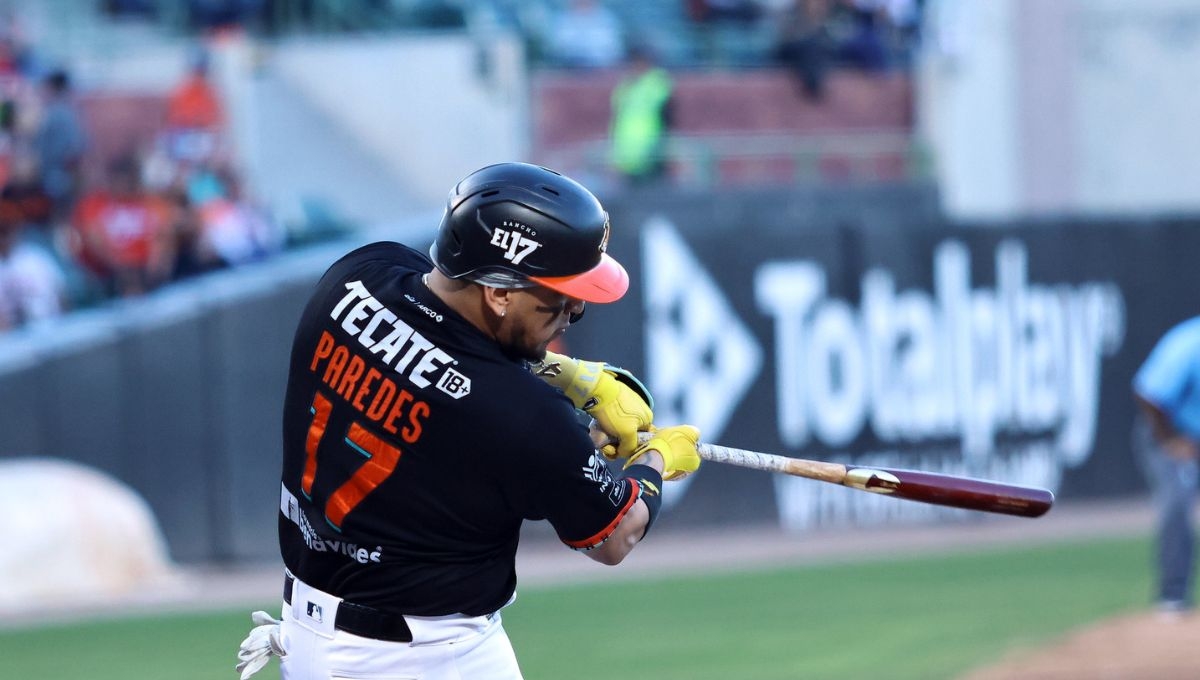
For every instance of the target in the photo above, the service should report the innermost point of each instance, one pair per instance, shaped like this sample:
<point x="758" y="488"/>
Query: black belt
<point x="363" y="621"/>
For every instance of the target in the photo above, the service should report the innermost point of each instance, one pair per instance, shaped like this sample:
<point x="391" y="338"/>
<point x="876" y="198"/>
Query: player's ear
<point x="497" y="300"/>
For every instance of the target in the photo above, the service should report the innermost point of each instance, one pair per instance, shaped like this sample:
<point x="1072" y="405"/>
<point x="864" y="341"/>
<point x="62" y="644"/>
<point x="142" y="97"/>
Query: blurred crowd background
<point x="129" y="157"/>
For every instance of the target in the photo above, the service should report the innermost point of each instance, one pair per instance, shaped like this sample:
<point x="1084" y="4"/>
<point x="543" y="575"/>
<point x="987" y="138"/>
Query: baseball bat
<point x="926" y="487"/>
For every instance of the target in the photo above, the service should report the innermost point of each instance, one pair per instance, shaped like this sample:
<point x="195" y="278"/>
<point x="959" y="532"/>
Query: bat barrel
<point x="955" y="492"/>
<point x="926" y="487"/>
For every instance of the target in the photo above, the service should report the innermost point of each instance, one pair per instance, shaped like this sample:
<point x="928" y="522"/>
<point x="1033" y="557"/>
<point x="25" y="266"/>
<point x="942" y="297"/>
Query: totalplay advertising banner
<point x="1002" y="352"/>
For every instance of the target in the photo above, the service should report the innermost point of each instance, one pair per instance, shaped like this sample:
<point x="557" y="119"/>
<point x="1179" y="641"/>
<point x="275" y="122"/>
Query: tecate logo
<point x="387" y="336"/>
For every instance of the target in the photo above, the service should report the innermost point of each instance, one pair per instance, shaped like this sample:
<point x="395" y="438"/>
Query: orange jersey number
<point x="381" y="461"/>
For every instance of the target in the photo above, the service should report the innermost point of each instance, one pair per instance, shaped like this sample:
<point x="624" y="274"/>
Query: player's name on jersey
<point x="394" y="343"/>
<point x="367" y="389"/>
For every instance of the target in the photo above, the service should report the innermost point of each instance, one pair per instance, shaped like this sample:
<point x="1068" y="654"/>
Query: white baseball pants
<point x="455" y="647"/>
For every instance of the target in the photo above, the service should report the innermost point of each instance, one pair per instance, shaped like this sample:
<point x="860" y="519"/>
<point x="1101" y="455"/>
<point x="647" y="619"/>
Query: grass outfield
<point x="921" y="618"/>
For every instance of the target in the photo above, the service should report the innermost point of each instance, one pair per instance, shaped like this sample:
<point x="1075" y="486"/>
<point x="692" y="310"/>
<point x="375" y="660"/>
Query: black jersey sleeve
<point x="565" y="481"/>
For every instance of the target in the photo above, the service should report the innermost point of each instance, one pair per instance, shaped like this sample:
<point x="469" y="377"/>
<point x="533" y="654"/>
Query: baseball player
<point x="424" y="421"/>
<point x="1166" y="389"/>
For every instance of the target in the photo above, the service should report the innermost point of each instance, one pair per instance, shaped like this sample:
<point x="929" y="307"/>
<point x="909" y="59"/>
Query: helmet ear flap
<point x="455" y="243"/>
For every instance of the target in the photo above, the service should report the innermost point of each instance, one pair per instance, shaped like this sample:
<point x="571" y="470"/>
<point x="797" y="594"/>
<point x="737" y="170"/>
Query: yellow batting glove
<point x="604" y="392"/>
<point x="677" y="446"/>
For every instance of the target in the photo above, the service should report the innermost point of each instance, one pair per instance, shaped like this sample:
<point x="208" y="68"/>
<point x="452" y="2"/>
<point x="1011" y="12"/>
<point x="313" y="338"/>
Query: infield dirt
<point x="1143" y="646"/>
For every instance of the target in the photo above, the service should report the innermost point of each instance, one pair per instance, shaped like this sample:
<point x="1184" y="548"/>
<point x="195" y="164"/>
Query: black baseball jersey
<point x="414" y="448"/>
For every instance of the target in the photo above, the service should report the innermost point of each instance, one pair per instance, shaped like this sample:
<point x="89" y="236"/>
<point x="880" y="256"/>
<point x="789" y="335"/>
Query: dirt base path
<point x="1143" y="646"/>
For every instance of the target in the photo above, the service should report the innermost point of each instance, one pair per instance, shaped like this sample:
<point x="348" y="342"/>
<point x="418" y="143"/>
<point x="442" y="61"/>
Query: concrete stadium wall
<point x="1036" y="106"/>
<point x="176" y="394"/>
<point x="431" y="107"/>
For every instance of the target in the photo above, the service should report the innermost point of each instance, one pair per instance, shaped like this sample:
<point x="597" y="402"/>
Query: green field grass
<point x="920" y="618"/>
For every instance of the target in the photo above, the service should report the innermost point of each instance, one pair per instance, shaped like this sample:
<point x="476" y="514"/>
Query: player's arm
<point x="637" y="521"/>
<point x="1160" y="422"/>
<point x="618" y="402"/>
<point x="1175" y="443"/>
<point x="670" y="454"/>
<point x="1159" y="382"/>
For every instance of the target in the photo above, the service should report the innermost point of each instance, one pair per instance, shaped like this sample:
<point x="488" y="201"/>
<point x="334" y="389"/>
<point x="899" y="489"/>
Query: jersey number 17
<point x="381" y="460"/>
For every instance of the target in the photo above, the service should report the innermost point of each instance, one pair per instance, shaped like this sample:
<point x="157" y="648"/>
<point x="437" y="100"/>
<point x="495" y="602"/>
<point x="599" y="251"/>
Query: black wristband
<point x="649" y="483"/>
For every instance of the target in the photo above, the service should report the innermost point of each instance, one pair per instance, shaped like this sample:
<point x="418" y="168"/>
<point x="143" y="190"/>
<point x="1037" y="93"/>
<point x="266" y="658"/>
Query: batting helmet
<point x="515" y="225"/>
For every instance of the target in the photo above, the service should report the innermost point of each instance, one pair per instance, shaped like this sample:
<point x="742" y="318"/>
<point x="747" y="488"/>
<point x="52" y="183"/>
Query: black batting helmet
<point x="514" y="225"/>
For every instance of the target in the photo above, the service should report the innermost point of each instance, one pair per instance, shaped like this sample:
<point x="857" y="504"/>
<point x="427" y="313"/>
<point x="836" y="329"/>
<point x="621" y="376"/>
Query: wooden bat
<point x="927" y="487"/>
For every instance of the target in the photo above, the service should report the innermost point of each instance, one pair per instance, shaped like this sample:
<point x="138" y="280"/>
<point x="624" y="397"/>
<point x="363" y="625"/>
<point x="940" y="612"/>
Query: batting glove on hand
<point x="260" y="645"/>
<point x="677" y="446"/>
<point x="618" y="402"/>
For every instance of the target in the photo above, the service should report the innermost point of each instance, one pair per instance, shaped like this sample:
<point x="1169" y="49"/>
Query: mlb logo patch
<point x="314" y="611"/>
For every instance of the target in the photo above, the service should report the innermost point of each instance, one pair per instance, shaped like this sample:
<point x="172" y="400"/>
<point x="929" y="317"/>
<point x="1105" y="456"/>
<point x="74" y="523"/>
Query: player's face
<point x="537" y="316"/>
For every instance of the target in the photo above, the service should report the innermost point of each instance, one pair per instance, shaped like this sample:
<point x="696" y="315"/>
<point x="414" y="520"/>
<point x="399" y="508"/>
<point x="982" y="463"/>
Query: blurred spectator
<point x="905" y="18"/>
<point x="124" y="235"/>
<point x="641" y="119"/>
<point x="32" y="284"/>
<point x="1167" y="436"/>
<point x="195" y="118"/>
<point x="723" y="11"/>
<point x="586" y="34"/>
<point x="865" y="45"/>
<point x="805" y="45"/>
<point x="204" y="183"/>
<point x="234" y="231"/>
<point x="24" y="188"/>
<point x="141" y="9"/>
<point x="214" y="15"/>
<point x="190" y="257"/>
<point x="432" y="14"/>
<point x="727" y="30"/>
<point x="17" y="55"/>
<point x="59" y="143"/>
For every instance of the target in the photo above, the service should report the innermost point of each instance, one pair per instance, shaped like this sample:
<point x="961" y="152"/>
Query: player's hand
<point x="621" y="406"/>
<point x="263" y="642"/>
<point x="1181" y="448"/>
<point x="677" y="446"/>
<point x="618" y="402"/>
